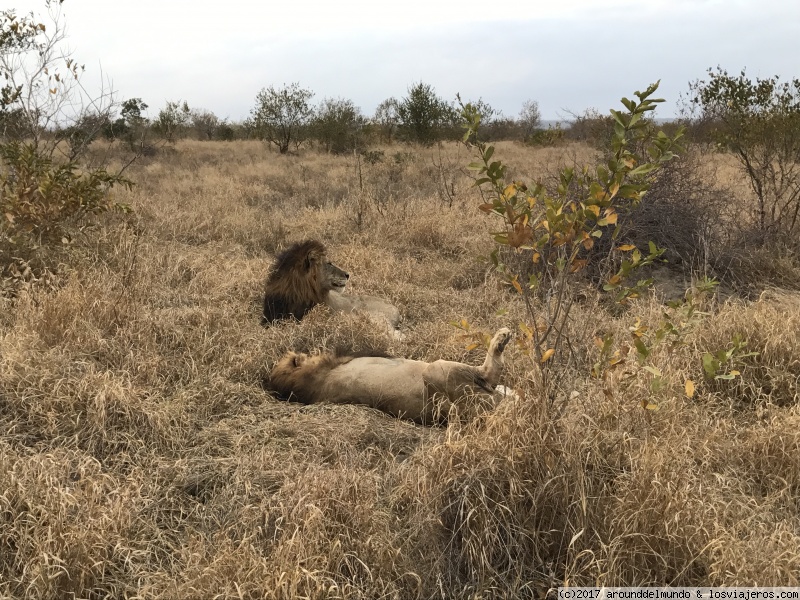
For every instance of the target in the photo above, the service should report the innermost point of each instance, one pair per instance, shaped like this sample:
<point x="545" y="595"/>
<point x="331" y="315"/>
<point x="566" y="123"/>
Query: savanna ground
<point x="141" y="457"/>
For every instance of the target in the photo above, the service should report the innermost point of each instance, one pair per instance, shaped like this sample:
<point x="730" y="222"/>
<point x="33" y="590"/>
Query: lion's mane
<point x="294" y="284"/>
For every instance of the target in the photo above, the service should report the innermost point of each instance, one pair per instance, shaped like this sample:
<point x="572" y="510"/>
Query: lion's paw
<point x="502" y="337"/>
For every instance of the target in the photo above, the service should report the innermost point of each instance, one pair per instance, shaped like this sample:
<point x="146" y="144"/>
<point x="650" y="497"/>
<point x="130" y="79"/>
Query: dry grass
<point x="141" y="457"/>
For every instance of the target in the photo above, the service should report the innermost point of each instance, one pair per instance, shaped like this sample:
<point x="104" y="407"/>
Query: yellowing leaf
<point x="472" y="347"/>
<point x="510" y="190"/>
<point x="626" y="247"/>
<point x="689" y="388"/>
<point x="516" y="285"/>
<point x="520" y="235"/>
<point x="594" y="209"/>
<point x="735" y="373"/>
<point x="577" y="265"/>
<point x="611" y="218"/>
<point x="548" y="354"/>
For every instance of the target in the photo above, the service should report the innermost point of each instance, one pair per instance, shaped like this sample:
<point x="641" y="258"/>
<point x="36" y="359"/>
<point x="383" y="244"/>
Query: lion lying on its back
<point x="302" y="277"/>
<point x="412" y="389"/>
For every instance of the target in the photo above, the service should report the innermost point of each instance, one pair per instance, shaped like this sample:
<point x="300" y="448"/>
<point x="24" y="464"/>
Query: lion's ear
<point x="311" y="259"/>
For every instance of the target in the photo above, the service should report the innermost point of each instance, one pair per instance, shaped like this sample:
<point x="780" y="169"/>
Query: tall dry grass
<point x="141" y="457"/>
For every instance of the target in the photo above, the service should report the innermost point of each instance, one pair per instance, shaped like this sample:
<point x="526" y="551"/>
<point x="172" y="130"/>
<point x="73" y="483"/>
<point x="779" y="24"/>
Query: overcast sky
<point x="568" y="55"/>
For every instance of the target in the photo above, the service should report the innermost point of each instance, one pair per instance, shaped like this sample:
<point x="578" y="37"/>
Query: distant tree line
<point x="286" y="118"/>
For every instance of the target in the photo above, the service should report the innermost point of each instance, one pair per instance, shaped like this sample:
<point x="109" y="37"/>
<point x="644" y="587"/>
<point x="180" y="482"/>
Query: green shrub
<point x="39" y="197"/>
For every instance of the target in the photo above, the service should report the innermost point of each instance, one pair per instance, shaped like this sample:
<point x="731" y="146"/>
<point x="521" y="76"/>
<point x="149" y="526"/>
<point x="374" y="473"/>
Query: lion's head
<point x="299" y="377"/>
<point x="294" y="376"/>
<point x="300" y="278"/>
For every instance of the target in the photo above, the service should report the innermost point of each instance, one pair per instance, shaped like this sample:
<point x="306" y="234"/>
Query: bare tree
<point x="387" y="118"/>
<point x="529" y="118"/>
<point x="205" y="123"/>
<point x="43" y="91"/>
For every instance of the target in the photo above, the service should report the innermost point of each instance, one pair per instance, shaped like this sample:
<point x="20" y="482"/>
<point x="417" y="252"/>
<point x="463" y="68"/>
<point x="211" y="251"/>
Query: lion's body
<point x="421" y="391"/>
<point x="379" y="310"/>
<point x="302" y="277"/>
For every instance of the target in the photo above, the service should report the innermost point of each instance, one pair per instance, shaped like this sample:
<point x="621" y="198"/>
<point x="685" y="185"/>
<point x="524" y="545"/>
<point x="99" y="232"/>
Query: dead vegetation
<point x="142" y="458"/>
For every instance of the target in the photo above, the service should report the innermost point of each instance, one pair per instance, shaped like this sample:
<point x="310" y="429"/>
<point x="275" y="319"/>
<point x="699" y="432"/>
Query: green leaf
<point x="710" y="365"/>
<point x="641" y="349"/>
<point x="643" y="169"/>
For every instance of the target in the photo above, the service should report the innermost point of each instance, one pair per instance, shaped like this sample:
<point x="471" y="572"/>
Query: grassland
<point x="141" y="457"/>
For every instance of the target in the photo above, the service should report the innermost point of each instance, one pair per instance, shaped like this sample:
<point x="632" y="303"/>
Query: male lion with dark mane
<point x="412" y="389"/>
<point x="302" y="277"/>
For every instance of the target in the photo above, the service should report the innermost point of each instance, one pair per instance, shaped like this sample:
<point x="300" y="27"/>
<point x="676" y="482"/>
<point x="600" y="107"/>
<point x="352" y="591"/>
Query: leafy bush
<point x="555" y="231"/>
<point x="38" y="197"/>
<point x="546" y="137"/>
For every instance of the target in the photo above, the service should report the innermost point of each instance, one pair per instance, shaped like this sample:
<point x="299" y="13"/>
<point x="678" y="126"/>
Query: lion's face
<point x="332" y="277"/>
<point x="291" y="361"/>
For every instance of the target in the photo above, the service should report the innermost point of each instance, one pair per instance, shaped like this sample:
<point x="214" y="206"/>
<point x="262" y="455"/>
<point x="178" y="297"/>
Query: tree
<point x="41" y="194"/>
<point x="281" y="115"/>
<point x="423" y="114"/>
<point x="529" y="118"/>
<point x="43" y="92"/>
<point x="759" y="122"/>
<point x="171" y="120"/>
<point x="131" y="125"/>
<point x="387" y="118"/>
<point x="337" y="125"/>
<point x="206" y="123"/>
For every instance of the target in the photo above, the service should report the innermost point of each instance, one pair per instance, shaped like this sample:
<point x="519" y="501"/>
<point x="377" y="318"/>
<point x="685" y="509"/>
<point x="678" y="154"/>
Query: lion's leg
<point x="493" y="365"/>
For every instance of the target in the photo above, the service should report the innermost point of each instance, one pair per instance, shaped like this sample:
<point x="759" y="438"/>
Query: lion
<point x="410" y="389"/>
<point x="302" y="277"/>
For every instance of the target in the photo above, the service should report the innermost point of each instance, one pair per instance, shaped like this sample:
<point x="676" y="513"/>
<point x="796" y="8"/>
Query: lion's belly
<point x="393" y="385"/>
